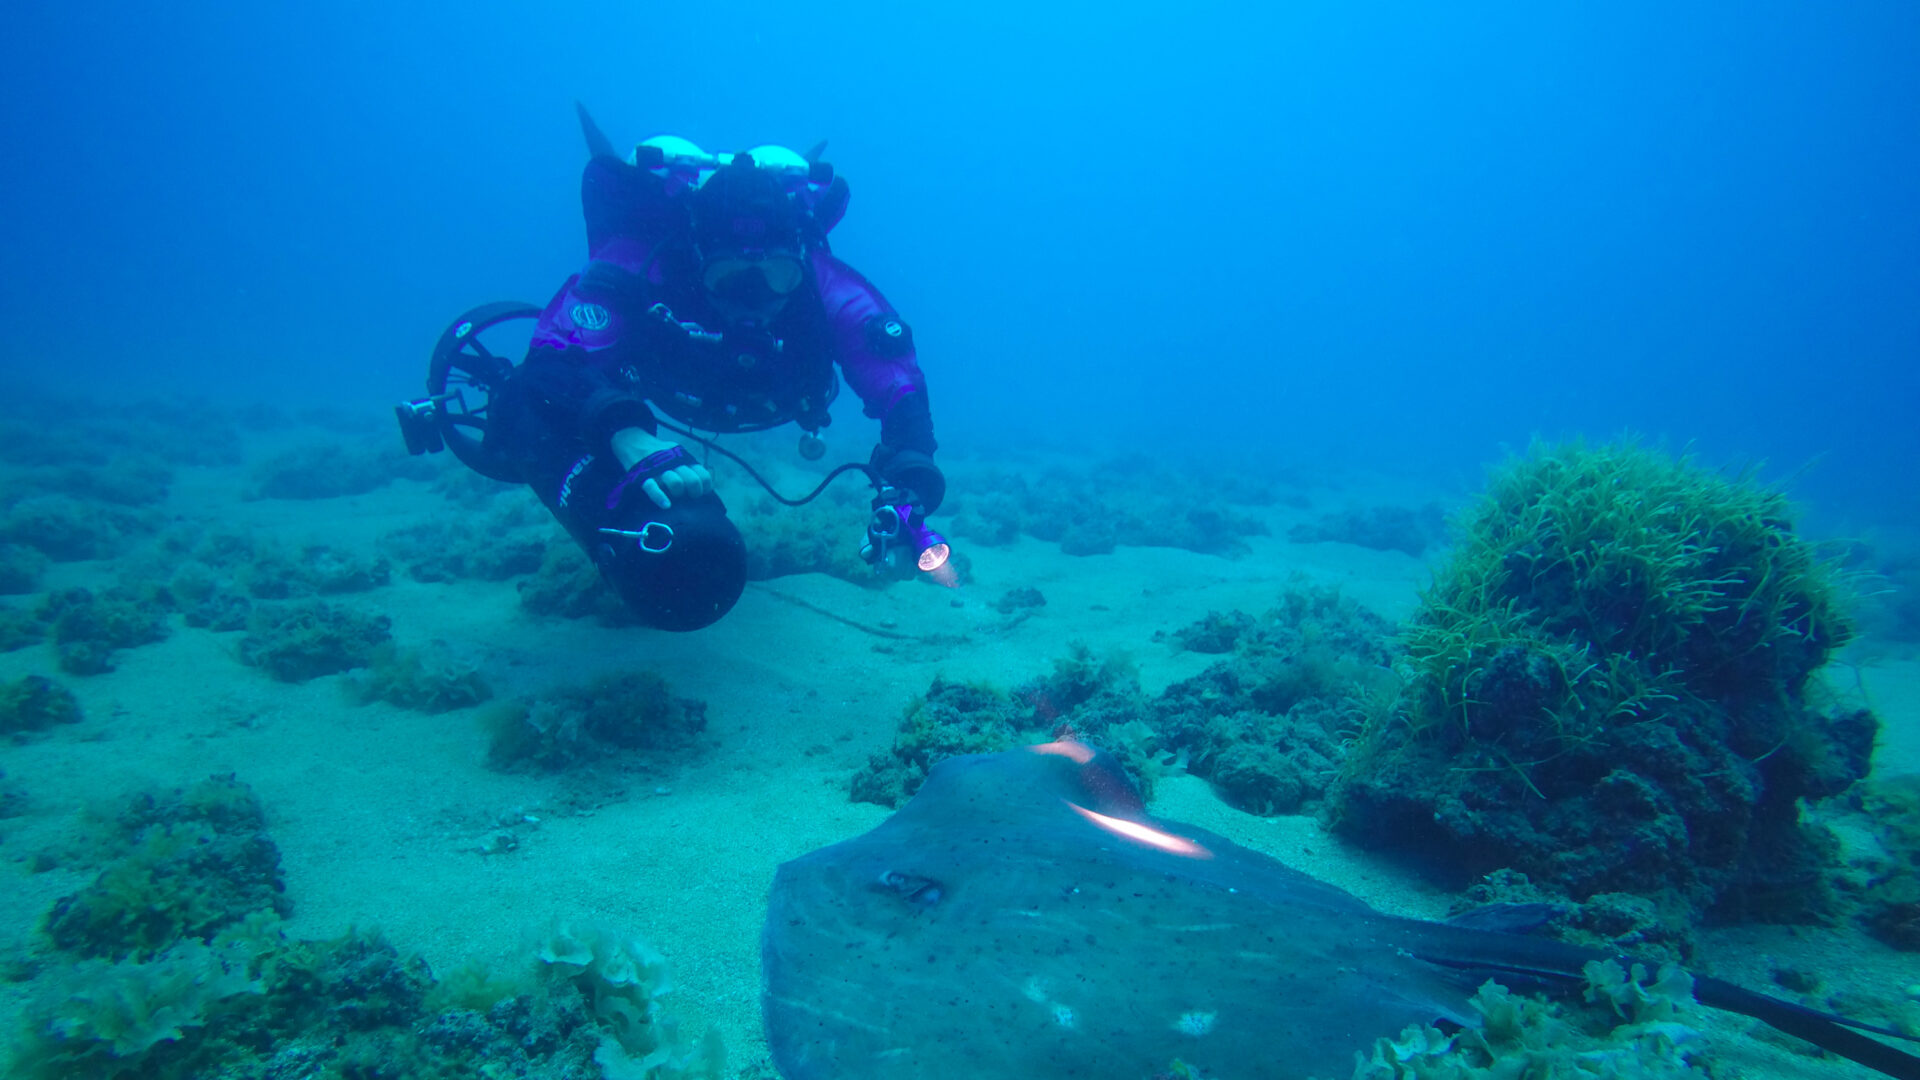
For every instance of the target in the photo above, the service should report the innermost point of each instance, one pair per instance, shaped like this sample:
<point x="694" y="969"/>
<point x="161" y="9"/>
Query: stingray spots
<point x="1194" y="1024"/>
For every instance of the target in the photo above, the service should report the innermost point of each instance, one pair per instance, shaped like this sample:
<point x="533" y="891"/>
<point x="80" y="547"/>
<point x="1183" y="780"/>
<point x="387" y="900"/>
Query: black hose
<point x="863" y="467"/>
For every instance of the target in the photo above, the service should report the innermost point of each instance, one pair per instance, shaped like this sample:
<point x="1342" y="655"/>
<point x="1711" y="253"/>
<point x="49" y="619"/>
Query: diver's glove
<point x="664" y="471"/>
<point x="908" y="470"/>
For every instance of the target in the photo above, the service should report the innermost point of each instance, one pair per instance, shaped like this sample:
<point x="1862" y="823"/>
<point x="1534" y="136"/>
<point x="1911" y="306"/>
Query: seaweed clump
<point x="822" y="537"/>
<point x="1265" y="726"/>
<point x="1086" y="697"/>
<point x="98" y="1020"/>
<point x="312" y="570"/>
<point x="68" y="529"/>
<point x="88" y="628"/>
<point x="949" y="720"/>
<point x="35" y="703"/>
<point x="609" y="718"/>
<point x="298" y="642"/>
<point x="1268" y="724"/>
<point x="443" y="549"/>
<point x="261" y="1004"/>
<point x="184" y="866"/>
<point x="429" y="680"/>
<point x="1607" y="692"/>
<point x="570" y="586"/>
<point x="1636" y="1025"/>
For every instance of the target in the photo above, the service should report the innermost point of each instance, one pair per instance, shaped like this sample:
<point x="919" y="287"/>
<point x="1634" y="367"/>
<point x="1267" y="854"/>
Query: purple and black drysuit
<point x="634" y="332"/>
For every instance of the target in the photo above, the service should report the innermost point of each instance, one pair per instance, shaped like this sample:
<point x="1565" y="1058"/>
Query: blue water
<point x="1400" y="235"/>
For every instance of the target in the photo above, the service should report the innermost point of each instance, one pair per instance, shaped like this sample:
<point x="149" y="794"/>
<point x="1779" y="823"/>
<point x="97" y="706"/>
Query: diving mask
<point x="744" y="273"/>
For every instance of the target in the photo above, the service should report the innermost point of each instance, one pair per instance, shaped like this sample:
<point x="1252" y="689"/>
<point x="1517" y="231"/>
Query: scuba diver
<point x="710" y="301"/>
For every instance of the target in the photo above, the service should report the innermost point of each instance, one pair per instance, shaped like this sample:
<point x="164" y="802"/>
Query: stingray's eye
<point x="912" y="888"/>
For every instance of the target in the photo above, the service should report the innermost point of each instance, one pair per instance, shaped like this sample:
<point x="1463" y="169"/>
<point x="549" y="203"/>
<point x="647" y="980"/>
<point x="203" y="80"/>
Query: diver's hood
<point x="744" y="208"/>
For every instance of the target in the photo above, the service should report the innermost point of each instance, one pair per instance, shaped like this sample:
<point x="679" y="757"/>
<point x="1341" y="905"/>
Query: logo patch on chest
<point x="588" y="316"/>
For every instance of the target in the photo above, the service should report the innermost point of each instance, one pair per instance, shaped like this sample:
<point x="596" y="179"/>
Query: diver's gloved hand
<point x="664" y="470"/>
<point x="910" y="470"/>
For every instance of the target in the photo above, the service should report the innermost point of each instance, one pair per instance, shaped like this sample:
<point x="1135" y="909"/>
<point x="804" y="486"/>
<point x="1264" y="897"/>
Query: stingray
<point x="1022" y="916"/>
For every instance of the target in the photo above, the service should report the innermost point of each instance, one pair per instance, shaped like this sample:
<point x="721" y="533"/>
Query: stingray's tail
<point x="1827" y="1031"/>
<point x="1524" y="963"/>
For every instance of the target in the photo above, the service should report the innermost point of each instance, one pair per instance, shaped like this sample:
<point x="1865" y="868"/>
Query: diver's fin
<point x="813" y="155"/>
<point x="598" y="145"/>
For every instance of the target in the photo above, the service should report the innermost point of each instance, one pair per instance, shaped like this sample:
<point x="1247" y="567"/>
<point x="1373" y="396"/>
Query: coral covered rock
<point x="297" y="642"/>
<point x="430" y="679"/>
<point x="189" y="863"/>
<point x="1607" y="692"/>
<point x="599" y="721"/>
<point x="35" y="703"/>
<point x="88" y="629"/>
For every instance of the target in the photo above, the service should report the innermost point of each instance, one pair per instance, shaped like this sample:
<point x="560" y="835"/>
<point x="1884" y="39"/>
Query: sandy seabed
<point x="380" y="812"/>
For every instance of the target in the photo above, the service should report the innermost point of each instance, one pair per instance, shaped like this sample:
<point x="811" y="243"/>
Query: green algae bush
<point x="429" y="679"/>
<point x="88" y="629"/>
<point x="301" y="641"/>
<point x="177" y="966"/>
<point x="35" y="703"/>
<point x="607" y="720"/>
<point x="1264" y="725"/>
<point x="180" y="866"/>
<point x="258" y="1003"/>
<point x="1638" y="577"/>
<point x="1607" y="690"/>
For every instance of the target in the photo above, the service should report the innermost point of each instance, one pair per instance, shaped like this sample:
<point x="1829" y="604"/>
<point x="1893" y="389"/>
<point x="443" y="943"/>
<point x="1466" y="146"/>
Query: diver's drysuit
<point x="636" y="330"/>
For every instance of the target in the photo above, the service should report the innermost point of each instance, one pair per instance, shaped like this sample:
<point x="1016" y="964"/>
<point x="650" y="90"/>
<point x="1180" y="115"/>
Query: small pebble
<point x="499" y="844"/>
<point x="663" y="791"/>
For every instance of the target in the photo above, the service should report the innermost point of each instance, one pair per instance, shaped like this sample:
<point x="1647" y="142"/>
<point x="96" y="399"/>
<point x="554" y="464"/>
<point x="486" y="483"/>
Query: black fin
<point x="1831" y="1033"/>
<point x="832" y="205"/>
<point x="813" y="155"/>
<point x="598" y="145"/>
<point x="1542" y="964"/>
